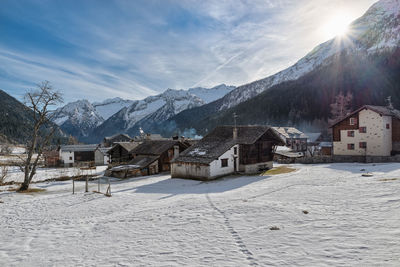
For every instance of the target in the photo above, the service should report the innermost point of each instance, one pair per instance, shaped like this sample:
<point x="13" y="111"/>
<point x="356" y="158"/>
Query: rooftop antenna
<point x="234" y="118"/>
<point x="389" y="102"/>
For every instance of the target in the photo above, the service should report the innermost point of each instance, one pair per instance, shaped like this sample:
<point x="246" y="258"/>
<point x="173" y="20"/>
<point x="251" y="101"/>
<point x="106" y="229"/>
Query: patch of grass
<point x="274" y="228"/>
<point x="388" y="179"/>
<point x="278" y="170"/>
<point x="305" y="211"/>
<point x="32" y="190"/>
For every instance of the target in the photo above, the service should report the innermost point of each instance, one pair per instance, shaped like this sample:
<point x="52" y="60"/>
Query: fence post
<point x="98" y="185"/>
<point x="73" y="186"/>
<point x="87" y="184"/>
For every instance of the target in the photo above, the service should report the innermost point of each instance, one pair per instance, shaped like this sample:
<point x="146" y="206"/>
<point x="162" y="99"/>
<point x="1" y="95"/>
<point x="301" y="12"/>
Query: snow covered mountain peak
<point x="378" y="29"/>
<point x="78" y="117"/>
<point x="109" y="107"/>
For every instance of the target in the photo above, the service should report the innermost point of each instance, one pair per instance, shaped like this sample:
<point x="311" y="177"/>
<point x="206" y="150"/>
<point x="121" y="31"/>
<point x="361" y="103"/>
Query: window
<point x="363" y="144"/>
<point x="350" y="146"/>
<point x="353" y="121"/>
<point x="387" y="126"/>
<point x="363" y="129"/>
<point x="350" y="133"/>
<point x="235" y="150"/>
<point x="224" y="163"/>
<point x="70" y="158"/>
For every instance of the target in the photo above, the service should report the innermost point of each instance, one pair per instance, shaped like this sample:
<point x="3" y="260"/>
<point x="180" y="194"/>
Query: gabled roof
<point x="103" y="150"/>
<point x="221" y="140"/>
<point x="384" y="111"/>
<point x="128" y="146"/>
<point x="154" y="147"/>
<point x="143" y="161"/>
<point x="79" y="148"/>
<point x="290" y="132"/>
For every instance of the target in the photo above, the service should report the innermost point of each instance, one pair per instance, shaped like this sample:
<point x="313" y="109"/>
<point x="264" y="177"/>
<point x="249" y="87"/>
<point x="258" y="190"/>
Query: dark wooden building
<point x="164" y="150"/>
<point x="112" y="140"/>
<point x="226" y="150"/>
<point x="121" y="152"/>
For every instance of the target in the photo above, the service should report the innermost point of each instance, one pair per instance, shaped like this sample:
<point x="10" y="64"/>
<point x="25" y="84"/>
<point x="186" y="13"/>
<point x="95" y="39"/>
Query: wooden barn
<point x="121" y="152"/>
<point x="164" y="150"/>
<point x="139" y="166"/>
<point x="227" y="150"/>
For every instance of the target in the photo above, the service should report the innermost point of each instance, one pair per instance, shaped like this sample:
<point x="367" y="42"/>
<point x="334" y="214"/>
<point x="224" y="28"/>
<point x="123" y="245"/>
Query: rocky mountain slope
<point x="16" y="121"/>
<point x="373" y="39"/>
<point x="78" y="118"/>
<point x="109" y="107"/>
<point x="90" y="122"/>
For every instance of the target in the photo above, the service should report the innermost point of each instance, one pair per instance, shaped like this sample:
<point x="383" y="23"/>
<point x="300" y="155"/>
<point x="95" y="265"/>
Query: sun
<point x="337" y="26"/>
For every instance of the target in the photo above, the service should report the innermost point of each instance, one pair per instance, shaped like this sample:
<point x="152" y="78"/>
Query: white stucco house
<point x="368" y="131"/>
<point x="70" y="155"/>
<point x="227" y="150"/>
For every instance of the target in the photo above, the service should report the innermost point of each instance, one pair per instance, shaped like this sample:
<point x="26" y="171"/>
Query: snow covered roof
<point x="80" y="148"/>
<point x="221" y="140"/>
<point x="290" y="132"/>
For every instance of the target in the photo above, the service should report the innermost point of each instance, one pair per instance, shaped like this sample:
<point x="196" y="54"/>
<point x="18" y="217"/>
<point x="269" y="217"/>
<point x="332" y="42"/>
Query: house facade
<point x="368" y="131"/>
<point x="101" y="156"/>
<point x="294" y="138"/>
<point x="227" y="150"/>
<point x="71" y="155"/>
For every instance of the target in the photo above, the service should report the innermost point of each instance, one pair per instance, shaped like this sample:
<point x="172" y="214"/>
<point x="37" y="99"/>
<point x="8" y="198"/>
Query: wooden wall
<point x="344" y="125"/>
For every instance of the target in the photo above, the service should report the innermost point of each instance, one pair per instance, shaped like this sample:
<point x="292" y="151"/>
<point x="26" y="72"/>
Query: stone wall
<point x="340" y="159"/>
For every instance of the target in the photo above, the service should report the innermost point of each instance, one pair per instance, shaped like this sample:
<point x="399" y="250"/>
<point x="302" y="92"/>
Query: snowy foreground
<point x="157" y="221"/>
<point x="16" y="175"/>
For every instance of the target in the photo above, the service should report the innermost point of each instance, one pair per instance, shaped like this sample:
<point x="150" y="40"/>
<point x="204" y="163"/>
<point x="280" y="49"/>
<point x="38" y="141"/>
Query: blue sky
<point x="98" y="49"/>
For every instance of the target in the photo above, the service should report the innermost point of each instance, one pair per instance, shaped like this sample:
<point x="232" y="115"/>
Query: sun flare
<point x="338" y="26"/>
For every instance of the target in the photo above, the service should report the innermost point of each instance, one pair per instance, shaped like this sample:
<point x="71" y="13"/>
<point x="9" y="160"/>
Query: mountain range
<point x="365" y="63"/>
<point x="90" y="122"/>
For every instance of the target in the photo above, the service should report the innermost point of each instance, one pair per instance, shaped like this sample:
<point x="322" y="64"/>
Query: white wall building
<point x="368" y="131"/>
<point x="227" y="150"/>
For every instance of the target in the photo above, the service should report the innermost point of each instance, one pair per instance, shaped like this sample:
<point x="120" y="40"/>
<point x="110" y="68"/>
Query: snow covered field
<point x="157" y="221"/>
<point x="42" y="174"/>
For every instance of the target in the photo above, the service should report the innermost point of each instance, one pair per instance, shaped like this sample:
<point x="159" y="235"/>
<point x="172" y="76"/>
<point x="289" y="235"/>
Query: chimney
<point x="176" y="151"/>
<point x="235" y="132"/>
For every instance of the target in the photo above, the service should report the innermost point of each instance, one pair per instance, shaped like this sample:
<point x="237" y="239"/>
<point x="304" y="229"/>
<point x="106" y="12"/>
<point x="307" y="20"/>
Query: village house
<point x="150" y="157"/>
<point x="368" y="131"/>
<point x="101" y="156"/>
<point x="72" y="155"/>
<point x="51" y="158"/>
<point x="121" y="152"/>
<point x="227" y="150"/>
<point x="294" y="138"/>
<point x="112" y="140"/>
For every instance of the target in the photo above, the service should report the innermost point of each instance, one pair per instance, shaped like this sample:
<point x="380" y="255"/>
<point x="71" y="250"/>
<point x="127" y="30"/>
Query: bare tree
<point x="5" y="149"/>
<point x="341" y="107"/>
<point x="39" y="101"/>
<point x="3" y="174"/>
